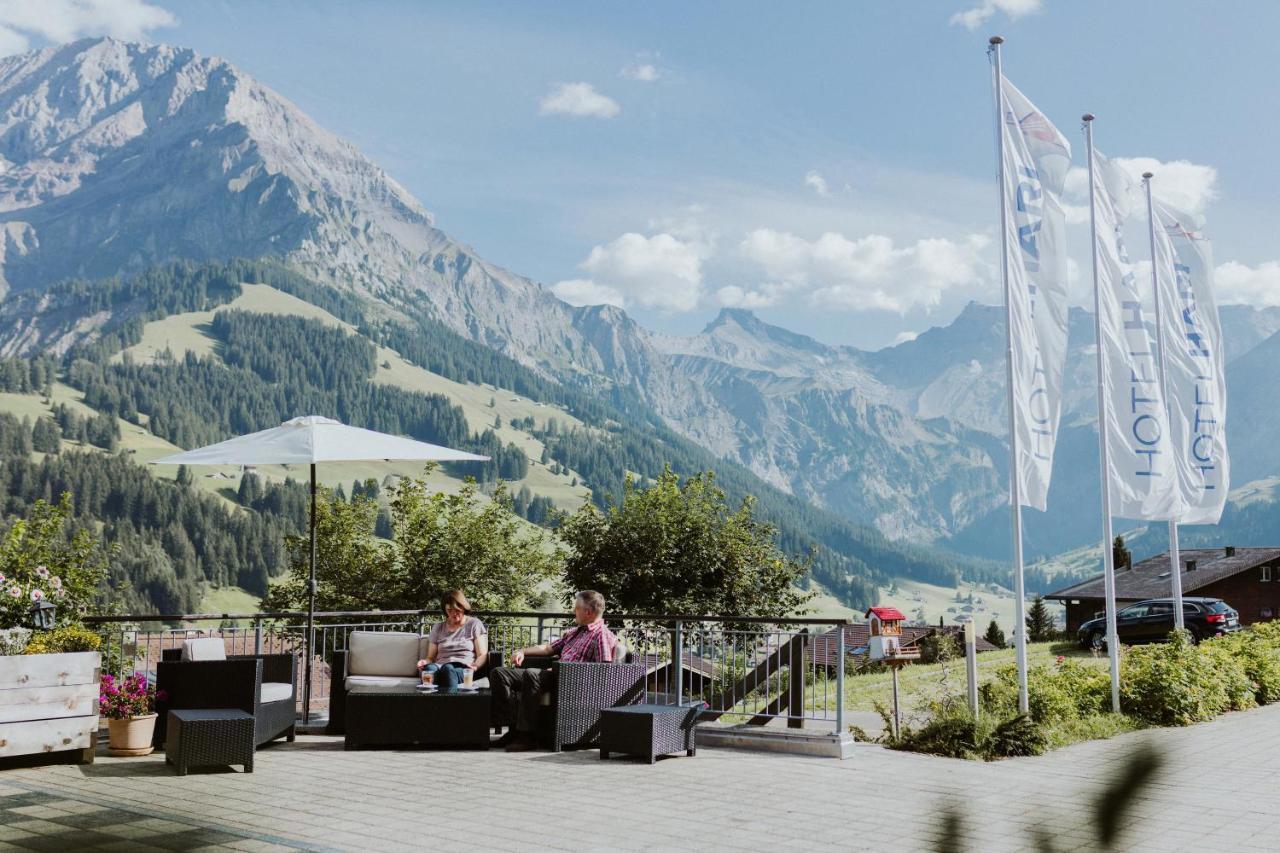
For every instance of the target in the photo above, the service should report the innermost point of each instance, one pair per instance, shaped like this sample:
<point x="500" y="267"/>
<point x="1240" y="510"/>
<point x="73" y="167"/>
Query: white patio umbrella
<point x="311" y="440"/>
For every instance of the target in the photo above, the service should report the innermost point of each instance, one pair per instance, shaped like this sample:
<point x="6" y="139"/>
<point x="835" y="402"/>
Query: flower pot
<point x="131" y="735"/>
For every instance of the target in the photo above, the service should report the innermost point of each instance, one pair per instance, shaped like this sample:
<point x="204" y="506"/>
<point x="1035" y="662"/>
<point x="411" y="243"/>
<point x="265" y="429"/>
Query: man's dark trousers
<point x="516" y="695"/>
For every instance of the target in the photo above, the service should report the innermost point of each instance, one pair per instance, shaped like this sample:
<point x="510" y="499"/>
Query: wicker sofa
<point x="381" y="659"/>
<point x="201" y="674"/>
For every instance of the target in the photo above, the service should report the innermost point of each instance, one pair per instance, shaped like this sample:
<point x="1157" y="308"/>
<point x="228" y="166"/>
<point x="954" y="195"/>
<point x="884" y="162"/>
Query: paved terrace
<point x="1218" y="791"/>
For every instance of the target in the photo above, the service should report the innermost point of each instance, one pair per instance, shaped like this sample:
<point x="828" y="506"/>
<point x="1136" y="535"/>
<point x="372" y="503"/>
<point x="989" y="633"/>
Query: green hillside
<point x="193" y="354"/>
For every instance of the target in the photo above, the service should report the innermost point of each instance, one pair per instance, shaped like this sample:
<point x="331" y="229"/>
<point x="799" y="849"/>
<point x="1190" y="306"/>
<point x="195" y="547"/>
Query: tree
<point x="1039" y="622"/>
<point x="438" y="541"/>
<point x="1120" y="555"/>
<point x="994" y="635"/>
<point x="678" y="548"/>
<point x="46" y="436"/>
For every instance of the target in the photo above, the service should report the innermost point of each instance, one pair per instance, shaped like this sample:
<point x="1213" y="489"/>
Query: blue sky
<point x="717" y="143"/>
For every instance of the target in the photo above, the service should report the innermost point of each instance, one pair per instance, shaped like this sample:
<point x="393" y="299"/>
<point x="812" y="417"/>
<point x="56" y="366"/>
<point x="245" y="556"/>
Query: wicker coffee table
<point x="648" y="730"/>
<point x="200" y="738"/>
<point x="380" y="716"/>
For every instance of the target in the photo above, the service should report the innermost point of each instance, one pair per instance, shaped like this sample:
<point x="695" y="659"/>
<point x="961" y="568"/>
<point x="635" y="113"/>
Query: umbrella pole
<point x="311" y="608"/>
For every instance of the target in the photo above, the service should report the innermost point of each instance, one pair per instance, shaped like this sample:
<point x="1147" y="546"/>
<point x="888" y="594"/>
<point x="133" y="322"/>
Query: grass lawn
<point x="917" y="683"/>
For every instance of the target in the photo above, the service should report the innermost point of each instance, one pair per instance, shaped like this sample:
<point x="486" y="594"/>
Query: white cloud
<point x="977" y="16"/>
<point x="66" y="20"/>
<point x="1257" y="286"/>
<point x="578" y="99"/>
<point x="659" y="271"/>
<point x="735" y="297"/>
<point x="905" y="337"/>
<point x="644" y="72"/>
<point x="815" y="180"/>
<point x="1185" y="185"/>
<point x="869" y="272"/>
<point x="582" y="291"/>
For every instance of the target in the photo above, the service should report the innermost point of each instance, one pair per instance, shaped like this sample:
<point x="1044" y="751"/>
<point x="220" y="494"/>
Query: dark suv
<point x="1151" y="621"/>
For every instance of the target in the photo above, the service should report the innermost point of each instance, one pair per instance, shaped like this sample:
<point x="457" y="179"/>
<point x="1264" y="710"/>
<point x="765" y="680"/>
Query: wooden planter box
<point x="49" y="703"/>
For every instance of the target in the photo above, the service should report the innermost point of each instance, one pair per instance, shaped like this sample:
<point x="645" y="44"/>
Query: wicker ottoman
<point x="648" y="730"/>
<point x="199" y="738"/>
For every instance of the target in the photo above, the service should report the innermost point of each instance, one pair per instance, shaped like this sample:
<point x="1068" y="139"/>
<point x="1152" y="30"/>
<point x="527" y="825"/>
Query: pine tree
<point x="1039" y="622"/>
<point x="994" y="635"/>
<point x="1121" y="557"/>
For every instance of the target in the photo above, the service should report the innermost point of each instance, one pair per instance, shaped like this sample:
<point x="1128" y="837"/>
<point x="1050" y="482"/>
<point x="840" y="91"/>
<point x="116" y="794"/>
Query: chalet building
<point x="1247" y="579"/>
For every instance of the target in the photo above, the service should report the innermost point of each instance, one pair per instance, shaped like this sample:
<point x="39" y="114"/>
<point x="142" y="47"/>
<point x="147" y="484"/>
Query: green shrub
<point x="1176" y="683"/>
<point x="1228" y="662"/>
<point x="939" y="648"/>
<point x="69" y="638"/>
<point x="1258" y="650"/>
<point x="1067" y="691"/>
<point x="954" y="735"/>
<point x="1016" y="736"/>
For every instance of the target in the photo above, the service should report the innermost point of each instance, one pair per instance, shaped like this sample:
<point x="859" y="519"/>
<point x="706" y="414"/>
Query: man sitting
<point x="516" y="692"/>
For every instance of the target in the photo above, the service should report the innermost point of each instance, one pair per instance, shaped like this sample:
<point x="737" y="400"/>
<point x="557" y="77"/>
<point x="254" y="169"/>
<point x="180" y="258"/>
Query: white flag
<point x="1036" y="158"/>
<point x="1194" y="364"/>
<point x="1140" y="471"/>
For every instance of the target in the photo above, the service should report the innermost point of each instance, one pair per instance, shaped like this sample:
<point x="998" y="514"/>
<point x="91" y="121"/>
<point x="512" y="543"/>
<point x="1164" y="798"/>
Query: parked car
<point x="1151" y="621"/>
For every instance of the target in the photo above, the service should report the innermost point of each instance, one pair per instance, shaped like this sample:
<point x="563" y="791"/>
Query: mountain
<point x="117" y="159"/>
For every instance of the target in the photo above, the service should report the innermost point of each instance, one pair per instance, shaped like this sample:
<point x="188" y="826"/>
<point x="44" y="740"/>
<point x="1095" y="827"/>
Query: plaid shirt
<point x="593" y="643"/>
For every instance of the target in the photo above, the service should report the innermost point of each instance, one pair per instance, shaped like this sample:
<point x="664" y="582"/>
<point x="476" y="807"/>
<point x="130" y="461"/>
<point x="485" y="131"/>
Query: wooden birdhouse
<point x="885" y="624"/>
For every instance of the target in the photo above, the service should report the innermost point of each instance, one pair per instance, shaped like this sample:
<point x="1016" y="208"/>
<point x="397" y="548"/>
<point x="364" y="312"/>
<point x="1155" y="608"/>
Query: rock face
<point x="115" y="157"/>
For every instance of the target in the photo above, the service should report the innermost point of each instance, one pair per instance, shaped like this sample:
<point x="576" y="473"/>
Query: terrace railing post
<point x="541" y="625"/>
<point x="839" y="678"/>
<point x="257" y="636"/>
<point x="795" y="680"/>
<point x="677" y="660"/>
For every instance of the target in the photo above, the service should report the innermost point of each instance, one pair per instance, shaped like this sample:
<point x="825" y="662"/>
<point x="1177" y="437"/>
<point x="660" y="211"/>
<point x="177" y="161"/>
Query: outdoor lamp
<point x="42" y="615"/>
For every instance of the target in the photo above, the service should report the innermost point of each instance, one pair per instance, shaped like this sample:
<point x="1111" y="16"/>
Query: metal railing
<point x="751" y="669"/>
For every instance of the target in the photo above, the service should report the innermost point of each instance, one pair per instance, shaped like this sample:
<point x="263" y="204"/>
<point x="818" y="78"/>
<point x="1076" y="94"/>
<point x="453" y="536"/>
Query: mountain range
<point x="118" y="157"/>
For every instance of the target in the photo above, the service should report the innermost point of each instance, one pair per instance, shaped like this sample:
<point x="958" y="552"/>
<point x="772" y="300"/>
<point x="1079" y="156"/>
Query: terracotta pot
<point x="131" y="736"/>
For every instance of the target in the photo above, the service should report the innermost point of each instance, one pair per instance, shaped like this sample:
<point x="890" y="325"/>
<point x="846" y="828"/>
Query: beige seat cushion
<point x="204" y="648"/>
<point x="380" y="681"/>
<point x="382" y="653"/>
<point x="276" y="691"/>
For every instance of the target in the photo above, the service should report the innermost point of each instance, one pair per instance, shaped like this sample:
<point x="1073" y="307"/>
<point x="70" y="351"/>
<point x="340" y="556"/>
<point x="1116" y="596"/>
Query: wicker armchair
<point x="579" y="692"/>
<point x="235" y="682"/>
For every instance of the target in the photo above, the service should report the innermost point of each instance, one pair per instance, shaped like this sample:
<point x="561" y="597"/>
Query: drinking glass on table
<point x="428" y="678"/>
<point x="467" y="675"/>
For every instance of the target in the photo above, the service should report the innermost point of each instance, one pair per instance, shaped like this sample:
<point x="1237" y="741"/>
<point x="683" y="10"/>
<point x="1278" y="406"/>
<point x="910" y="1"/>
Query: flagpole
<point x="1175" y="559"/>
<point x="1108" y="555"/>
<point x="1015" y="498"/>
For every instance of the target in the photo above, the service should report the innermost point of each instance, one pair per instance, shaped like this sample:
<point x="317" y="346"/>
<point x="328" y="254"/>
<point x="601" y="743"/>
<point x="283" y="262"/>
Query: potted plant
<point x="130" y="708"/>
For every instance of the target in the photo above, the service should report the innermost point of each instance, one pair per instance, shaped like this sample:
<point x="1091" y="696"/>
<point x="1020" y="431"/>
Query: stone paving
<point x="1218" y="790"/>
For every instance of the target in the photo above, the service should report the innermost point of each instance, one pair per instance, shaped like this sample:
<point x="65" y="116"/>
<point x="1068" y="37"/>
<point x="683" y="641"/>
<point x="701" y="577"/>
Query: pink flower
<point x="37" y="595"/>
<point x="42" y="571"/>
<point x="2" y="577"/>
<point x="55" y="582"/>
<point x="15" y="591"/>
<point x="1061" y="658"/>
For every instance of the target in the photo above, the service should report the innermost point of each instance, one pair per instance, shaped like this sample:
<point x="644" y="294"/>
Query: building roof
<point x="885" y="613"/>
<point x="1149" y="578"/>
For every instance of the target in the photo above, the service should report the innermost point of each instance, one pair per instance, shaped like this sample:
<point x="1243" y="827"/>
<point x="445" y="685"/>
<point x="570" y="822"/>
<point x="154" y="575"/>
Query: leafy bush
<point x="1175" y="684"/>
<point x="1258" y="650"/>
<point x="939" y="648"/>
<point x="1016" y="736"/>
<point x="954" y="735"/>
<point x="70" y="638"/>
<point x="1068" y="690"/>
<point x="41" y="560"/>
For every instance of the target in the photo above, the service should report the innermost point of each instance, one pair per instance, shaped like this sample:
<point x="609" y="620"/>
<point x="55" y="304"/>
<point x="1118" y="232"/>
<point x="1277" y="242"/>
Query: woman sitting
<point x="456" y="645"/>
